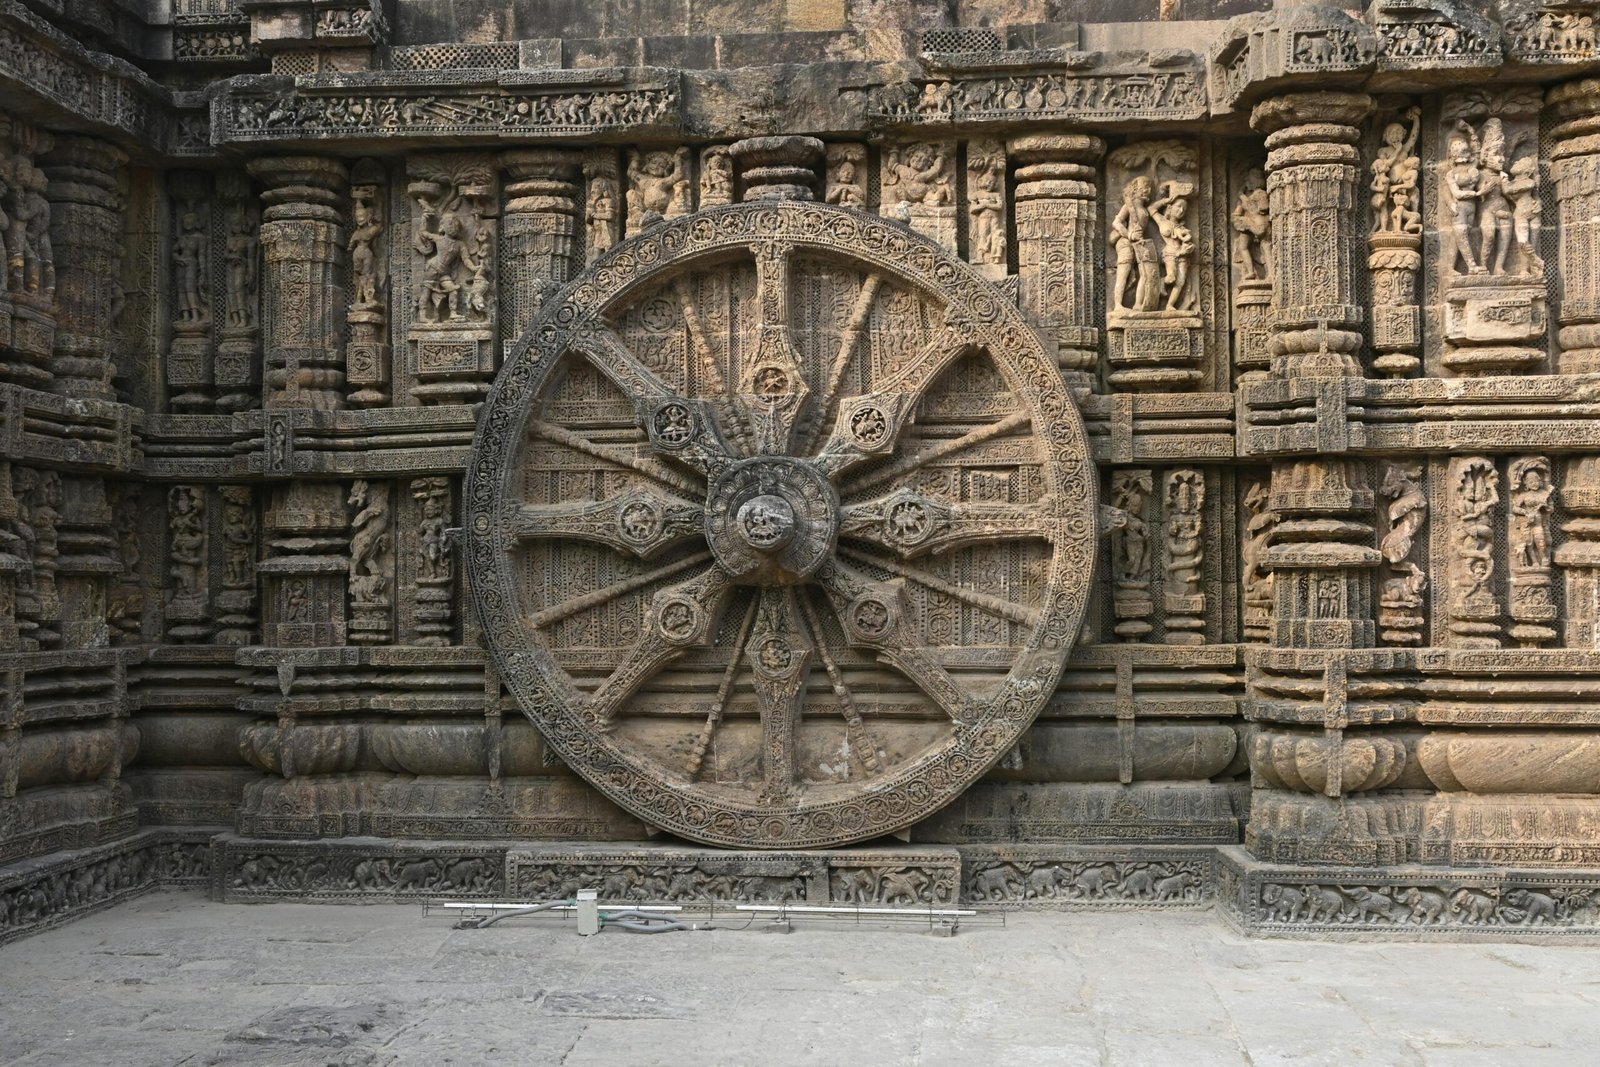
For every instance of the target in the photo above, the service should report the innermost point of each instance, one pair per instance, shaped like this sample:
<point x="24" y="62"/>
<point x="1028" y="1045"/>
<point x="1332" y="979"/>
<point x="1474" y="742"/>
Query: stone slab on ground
<point x="172" y="978"/>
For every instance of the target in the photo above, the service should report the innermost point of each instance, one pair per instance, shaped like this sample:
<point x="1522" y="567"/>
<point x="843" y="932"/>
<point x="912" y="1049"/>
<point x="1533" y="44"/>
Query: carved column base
<point x="453" y="363"/>
<point x="235" y="370"/>
<point x="1532" y="610"/>
<point x="27" y="337"/>
<point x="1133" y="606"/>
<point x="1251" y="354"/>
<point x="1494" y="325"/>
<point x="1153" y="351"/>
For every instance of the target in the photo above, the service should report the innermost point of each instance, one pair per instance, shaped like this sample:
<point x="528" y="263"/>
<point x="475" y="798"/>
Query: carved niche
<point x="780" y="533"/>
<point x="1153" y="321"/>
<point x="454" y="224"/>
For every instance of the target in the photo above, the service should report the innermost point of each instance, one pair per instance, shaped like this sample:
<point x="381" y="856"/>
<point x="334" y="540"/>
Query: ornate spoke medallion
<point x="780" y="526"/>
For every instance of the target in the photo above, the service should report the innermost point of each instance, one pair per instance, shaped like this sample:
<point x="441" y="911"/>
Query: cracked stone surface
<point x="173" y="978"/>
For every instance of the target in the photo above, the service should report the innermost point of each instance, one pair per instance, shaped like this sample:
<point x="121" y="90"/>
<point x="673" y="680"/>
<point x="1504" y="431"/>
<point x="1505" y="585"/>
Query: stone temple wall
<point x="805" y="450"/>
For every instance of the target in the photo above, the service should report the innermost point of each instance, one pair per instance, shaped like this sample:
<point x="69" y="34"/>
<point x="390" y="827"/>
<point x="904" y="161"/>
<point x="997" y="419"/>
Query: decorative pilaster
<point x="302" y="242"/>
<point x="188" y="565"/>
<point x="1531" y="492"/>
<point x="236" y="603"/>
<point x="1474" y="493"/>
<point x="371" y="563"/>
<point x="539" y="246"/>
<point x="191" y="354"/>
<point x="238" y="351"/>
<point x="85" y="177"/>
<point x="367" y="352"/>
<point x="1057" y="242"/>
<point x="1395" y="249"/>
<point x="1575" y="170"/>
<point x="435" y="592"/>
<point x="86" y="563"/>
<point x="1579" y="556"/>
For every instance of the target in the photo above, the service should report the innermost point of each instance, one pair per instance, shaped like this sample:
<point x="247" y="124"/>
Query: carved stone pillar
<point x="367" y="367"/>
<point x="1057" y="243"/>
<point x="1579" y="556"/>
<point x="1313" y="174"/>
<point x="86" y="231"/>
<point x="87" y="563"/>
<point x="1575" y="169"/>
<point x="777" y="168"/>
<point x="15" y="566"/>
<point x="1321" y="558"/>
<point x="538" y="233"/>
<point x="302" y="240"/>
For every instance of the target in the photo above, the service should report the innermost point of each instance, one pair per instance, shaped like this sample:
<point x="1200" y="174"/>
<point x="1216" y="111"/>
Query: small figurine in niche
<point x="1523" y="188"/>
<point x="1137" y="257"/>
<point x="1458" y="196"/>
<point x="1494" y="206"/>
<point x="987" y="208"/>
<point x="602" y="214"/>
<point x="1394" y="178"/>
<point x="1252" y="229"/>
<point x="363" y="257"/>
<point x="918" y="175"/>
<point x="716" y="178"/>
<point x="190" y="253"/>
<point x="1177" y="247"/>
<point x="441" y="252"/>
<point x="1531" y="508"/>
<point x="658" y="186"/>
<point x="845" y="189"/>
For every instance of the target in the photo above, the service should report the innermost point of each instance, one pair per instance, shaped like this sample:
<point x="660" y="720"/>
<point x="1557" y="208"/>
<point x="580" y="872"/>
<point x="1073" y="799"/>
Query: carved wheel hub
<point x="780" y="526"/>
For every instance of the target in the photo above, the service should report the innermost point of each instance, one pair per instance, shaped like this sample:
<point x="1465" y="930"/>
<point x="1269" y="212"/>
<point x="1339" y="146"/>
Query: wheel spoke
<point x="873" y="615"/>
<point x="914" y="524"/>
<point x="994" y="605"/>
<point x="719" y="703"/>
<point x="772" y="387"/>
<point x="841" y="360"/>
<point x="780" y="659"/>
<point x="681" y="617"/>
<point x="641" y="522"/>
<point x="888" y="474"/>
<point x="612" y="357"/>
<point x="862" y="745"/>
<point x="867" y="427"/>
<point x="686" y="430"/>
<point x="616" y="457"/>
<point x="709" y="359"/>
<point x="568" y="608"/>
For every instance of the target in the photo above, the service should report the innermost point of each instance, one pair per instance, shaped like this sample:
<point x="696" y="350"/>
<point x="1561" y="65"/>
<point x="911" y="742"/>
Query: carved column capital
<point x="85" y="175"/>
<point x="777" y="168"/>
<point x="1575" y="171"/>
<point x="1316" y="108"/>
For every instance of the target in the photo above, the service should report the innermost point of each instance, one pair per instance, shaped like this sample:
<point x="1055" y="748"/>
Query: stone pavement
<point x="173" y="978"/>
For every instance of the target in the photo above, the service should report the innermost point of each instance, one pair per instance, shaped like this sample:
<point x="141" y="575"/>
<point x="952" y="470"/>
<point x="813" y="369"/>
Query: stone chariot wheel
<point x="780" y="525"/>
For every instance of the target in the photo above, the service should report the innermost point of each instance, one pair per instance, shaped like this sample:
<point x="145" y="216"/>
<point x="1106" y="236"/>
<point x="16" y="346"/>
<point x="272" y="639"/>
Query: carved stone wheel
<point x="780" y="525"/>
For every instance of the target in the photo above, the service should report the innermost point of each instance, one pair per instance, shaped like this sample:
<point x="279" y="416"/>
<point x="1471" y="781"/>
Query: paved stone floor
<point x="176" y="979"/>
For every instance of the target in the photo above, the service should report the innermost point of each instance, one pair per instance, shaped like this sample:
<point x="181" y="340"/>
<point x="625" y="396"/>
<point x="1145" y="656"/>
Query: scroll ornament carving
<point x="371" y="562"/>
<point x="1474" y="608"/>
<point x="1400" y="604"/>
<point x="188" y="595"/>
<point x="435" y="593"/>
<point x="818" y="550"/>
<point x="1185" y="598"/>
<point x="1257" y="579"/>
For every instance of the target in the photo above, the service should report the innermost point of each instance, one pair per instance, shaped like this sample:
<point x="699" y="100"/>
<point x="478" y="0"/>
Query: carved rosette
<point x="1057" y="236"/>
<point x="843" y="569"/>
